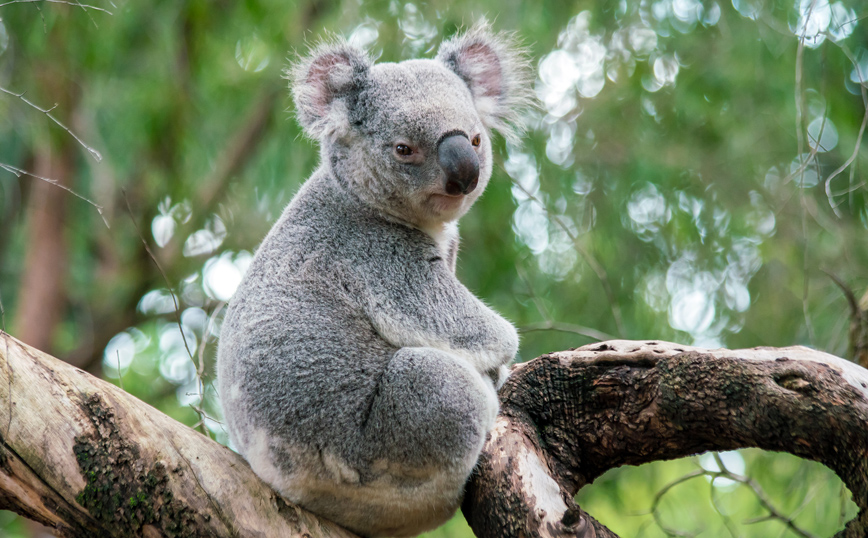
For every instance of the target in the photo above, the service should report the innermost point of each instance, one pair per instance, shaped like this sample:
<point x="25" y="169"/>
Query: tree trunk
<point x="83" y="457"/>
<point x="42" y="292"/>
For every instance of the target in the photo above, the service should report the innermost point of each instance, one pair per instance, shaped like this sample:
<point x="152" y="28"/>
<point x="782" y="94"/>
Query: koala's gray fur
<point x="358" y="375"/>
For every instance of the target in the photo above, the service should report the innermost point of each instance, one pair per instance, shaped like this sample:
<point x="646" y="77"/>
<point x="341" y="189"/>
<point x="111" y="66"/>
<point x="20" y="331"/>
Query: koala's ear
<point x="496" y="70"/>
<point x="322" y="81"/>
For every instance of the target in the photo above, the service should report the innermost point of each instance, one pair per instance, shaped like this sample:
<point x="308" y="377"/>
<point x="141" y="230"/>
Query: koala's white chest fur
<point x="358" y="375"/>
<point x="446" y="237"/>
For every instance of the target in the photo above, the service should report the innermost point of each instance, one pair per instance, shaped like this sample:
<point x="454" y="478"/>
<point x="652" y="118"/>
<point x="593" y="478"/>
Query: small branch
<point x="165" y="279"/>
<point x="659" y="497"/>
<point x="94" y="153"/>
<point x="774" y="513"/>
<point x="83" y="6"/>
<point x="565" y="328"/>
<point x="549" y="324"/>
<point x="589" y="259"/>
<point x="849" y="161"/>
<point x="19" y="173"/>
<point x="848" y="293"/>
<point x="763" y="499"/>
<point x="858" y="334"/>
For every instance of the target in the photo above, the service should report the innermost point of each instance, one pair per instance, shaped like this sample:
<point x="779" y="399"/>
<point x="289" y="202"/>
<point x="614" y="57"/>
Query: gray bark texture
<point x="86" y="459"/>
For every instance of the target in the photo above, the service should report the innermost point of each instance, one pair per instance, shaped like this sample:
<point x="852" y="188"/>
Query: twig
<point x="199" y="410"/>
<point x="162" y="273"/>
<point x="589" y="259"/>
<point x="19" y="172"/>
<point x="727" y="521"/>
<point x="550" y="325"/>
<point x="724" y="473"/>
<point x="800" y="53"/>
<point x="83" y="6"/>
<point x="89" y="16"/>
<point x="200" y="424"/>
<point x="540" y="307"/>
<point x="663" y="491"/>
<point x="848" y="293"/>
<point x="847" y="52"/>
<point x="853" y="155"/>
<point x="120" y="374"/>
<point x="763" y="499"/>
<point x="773" y="512"/>
<point x="849" y="190"/>
<point x="94" y="153"/>
<point x="803" y="165"/>
<point x="42" y="17"/>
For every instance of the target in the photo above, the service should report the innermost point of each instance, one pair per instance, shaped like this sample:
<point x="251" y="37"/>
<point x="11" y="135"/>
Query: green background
<point x="670" y="186"/>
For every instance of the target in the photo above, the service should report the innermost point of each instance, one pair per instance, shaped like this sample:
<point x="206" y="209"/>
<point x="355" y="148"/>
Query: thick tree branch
<point x="83" y="457"/>
<point x="568" y="417"/>
<point x="88" y="460"/>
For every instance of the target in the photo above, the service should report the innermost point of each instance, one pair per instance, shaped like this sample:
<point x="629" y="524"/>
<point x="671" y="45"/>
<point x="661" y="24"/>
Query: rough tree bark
<point x="81" y="456"/>
<point x="568" y="417"/>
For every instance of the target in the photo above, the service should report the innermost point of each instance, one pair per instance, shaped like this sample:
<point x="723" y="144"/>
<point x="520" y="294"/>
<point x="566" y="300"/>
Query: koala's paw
<point x="498" y="375"/>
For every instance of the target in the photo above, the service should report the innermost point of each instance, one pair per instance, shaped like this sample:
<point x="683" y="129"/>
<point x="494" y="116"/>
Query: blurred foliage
<point x="679" y="181"/>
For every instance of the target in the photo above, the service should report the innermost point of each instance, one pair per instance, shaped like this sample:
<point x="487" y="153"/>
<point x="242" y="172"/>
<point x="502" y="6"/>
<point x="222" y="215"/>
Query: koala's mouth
<point x="446" y="198"/>
<point x="444" y="202"/>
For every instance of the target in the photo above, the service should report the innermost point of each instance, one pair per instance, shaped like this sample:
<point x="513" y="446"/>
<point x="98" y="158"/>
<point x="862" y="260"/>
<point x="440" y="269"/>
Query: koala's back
<point x="296" y="344"/>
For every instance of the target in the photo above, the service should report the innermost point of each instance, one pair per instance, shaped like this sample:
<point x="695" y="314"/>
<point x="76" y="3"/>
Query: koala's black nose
<point x="458" y="159"/>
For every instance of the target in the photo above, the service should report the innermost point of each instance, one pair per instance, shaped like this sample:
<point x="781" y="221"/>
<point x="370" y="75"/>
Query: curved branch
<point x="568" y="417"/>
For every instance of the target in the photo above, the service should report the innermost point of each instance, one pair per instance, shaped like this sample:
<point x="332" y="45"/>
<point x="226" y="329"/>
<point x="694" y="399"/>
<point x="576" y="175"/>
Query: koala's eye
<point x="476" y="140"/>
<point x="403" y="150"/>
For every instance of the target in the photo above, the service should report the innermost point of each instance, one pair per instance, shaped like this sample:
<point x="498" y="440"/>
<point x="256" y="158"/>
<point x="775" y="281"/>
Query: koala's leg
<point x="424" y="430"/>
<point x="430" y="409"/>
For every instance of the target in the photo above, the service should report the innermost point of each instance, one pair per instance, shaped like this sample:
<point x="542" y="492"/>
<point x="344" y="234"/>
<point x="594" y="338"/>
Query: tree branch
<point x="568" y="417"/>
<point x="87" y="459"/>
<point x="83" y="457"/>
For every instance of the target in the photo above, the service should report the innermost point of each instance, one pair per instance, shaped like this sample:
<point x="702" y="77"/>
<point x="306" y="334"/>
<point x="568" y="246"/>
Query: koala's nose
<point x="458" y="159"/>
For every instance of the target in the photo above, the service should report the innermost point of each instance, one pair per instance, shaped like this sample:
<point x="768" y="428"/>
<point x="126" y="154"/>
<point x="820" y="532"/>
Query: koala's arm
<point x="421" y="303"/>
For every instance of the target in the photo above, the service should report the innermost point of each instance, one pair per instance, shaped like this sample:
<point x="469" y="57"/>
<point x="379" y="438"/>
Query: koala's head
<point x="412" y="139"/>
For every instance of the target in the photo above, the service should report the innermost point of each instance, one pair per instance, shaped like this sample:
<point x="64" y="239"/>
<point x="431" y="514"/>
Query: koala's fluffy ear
<point x="321" y="83"/>
<point x="496" y="70"/>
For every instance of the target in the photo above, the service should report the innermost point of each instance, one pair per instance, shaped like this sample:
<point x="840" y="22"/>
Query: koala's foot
<point x="422" y="434"/>
<point x="498" y="376"/>
<point x="424" y="430"/>
<point x="430" y="409"/>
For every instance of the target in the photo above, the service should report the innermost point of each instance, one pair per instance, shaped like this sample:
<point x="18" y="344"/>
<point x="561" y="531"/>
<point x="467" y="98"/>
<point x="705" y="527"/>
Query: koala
<point x="358" y="376"/>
